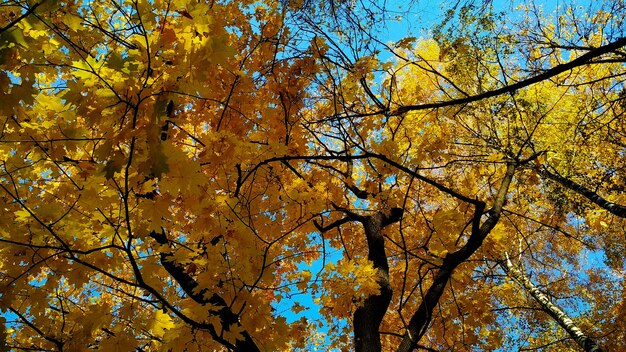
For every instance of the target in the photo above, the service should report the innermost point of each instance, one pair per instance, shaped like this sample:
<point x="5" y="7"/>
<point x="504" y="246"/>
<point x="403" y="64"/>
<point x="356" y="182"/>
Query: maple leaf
<point x="161" y="323"/>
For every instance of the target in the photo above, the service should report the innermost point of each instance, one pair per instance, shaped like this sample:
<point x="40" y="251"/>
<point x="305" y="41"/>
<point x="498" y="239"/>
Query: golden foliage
<point x="174" y="173"/>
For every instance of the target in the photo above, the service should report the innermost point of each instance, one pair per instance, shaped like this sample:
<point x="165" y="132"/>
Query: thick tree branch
<point x="556" y="70"/>
<point x="359" y="193"/>
<point x="613" y="208"/>
<point x="585" y="342"/>
<point x="366" y="155"/>
<point x="58" y="343"/>
<point x="227" y="317"/>
<point x="21" y="17"/>
<point x="421" y="318"/>
<point x="368" y="317"/>
<point x="321" y="228"/>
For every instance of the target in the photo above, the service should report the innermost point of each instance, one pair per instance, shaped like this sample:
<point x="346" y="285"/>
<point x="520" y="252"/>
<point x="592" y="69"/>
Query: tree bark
<point x="584" y="59"/>
<point x="584" y="341"/>
<point x="613" y="208"/>
<point x="421" y="318"/>
<point x="227" y="317"/>
<point x="368" y="317"/>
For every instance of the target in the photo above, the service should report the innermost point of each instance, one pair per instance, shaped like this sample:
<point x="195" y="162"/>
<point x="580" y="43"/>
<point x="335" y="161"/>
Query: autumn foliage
<point x="275" y="175"/>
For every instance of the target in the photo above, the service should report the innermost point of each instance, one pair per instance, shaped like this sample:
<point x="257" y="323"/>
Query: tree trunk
<point x="367" y="318"/>
<point x="584" y="341"/>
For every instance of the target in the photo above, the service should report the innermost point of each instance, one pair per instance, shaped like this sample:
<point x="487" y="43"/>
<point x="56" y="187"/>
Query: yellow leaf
<point x="161" y="322"/>
<point x="74" y="22"/>
<point x="12" y="37"/>
<point x="304" y="281"/>
<point x="22" y="215"/>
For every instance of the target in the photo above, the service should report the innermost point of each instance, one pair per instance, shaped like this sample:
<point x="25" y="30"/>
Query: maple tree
<point x="177" y="175"/>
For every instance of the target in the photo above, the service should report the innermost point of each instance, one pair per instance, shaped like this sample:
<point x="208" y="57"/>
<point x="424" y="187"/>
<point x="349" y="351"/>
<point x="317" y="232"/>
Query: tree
<point x="176" y="175"/>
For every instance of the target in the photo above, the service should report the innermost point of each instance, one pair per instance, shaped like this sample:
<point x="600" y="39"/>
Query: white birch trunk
<point x="584" y="341"/>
